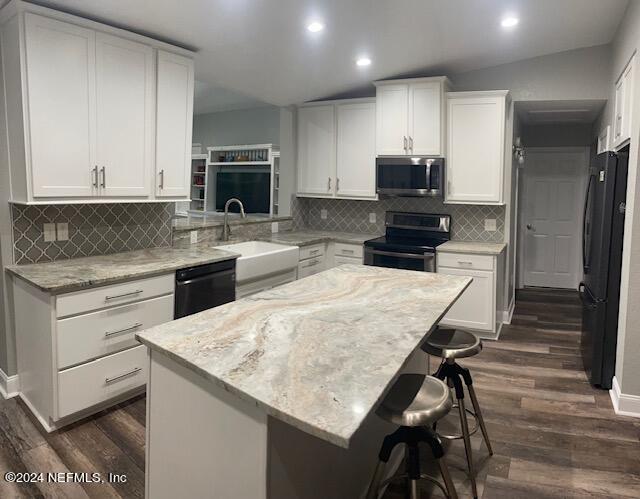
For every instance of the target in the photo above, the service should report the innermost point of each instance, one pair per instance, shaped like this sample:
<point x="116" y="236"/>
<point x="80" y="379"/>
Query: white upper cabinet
<point x="125" y="115"/>
<point x="316" y="150"/>
<point x="174" y="125"/>
<point x="476" y="143"/>
<point x="410" y="118"/>
<point x="336" y="149"/>
<point x="623" y="105"/>
<point x="356" y="150"/>
<point x="61" y="84"/>
<point x="82" y="100"/>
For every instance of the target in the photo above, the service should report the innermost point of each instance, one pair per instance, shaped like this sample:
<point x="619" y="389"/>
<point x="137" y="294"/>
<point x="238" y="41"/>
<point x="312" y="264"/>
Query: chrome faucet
<point x="226" y="229"/>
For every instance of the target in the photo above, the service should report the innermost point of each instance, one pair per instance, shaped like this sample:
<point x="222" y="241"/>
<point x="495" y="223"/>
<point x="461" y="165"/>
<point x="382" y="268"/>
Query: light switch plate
<point x="490" y="224"/>
<point x="62" y="230"/>
<point x="49" y="232"/>
<point x="372" y="218"/>
<point x="193" y="236"/>
<point x="323" y="214"/>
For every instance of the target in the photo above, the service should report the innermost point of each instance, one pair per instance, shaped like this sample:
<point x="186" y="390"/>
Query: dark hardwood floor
<point x="554" y="436"/>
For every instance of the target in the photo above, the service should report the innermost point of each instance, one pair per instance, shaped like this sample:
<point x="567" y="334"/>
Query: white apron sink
<point x="260" y="259"/>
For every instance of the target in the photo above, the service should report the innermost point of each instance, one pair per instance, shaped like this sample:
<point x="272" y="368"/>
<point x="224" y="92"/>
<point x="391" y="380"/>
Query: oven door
<point x="425" y="262"/>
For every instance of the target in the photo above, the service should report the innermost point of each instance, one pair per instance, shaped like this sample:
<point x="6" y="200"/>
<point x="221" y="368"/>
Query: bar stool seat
<point x="452" y="344"/>
<point x="415" y="402"/>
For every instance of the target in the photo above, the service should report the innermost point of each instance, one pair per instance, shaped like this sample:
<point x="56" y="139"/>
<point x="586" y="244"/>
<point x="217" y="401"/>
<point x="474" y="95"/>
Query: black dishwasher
<point x="203" y="287"/>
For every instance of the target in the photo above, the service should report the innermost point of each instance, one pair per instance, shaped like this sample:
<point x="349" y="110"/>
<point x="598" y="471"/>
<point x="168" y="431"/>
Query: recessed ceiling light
<point x="509" y="22"/>
<point x="363" y="61"/>
<point x="315" y="26"/>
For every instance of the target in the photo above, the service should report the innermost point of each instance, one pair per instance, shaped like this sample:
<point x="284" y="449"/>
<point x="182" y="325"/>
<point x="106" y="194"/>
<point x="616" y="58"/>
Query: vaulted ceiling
<point x="261" y="50"/>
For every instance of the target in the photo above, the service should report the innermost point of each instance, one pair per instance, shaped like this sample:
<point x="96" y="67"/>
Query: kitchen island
<point x="272" y="395"/>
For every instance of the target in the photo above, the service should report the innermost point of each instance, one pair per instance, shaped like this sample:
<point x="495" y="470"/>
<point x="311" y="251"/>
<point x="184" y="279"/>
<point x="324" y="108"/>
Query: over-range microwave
<point x="410" y="176"/>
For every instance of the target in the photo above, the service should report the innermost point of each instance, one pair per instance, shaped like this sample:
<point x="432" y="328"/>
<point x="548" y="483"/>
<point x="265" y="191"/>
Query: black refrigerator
<point x="602" y="234"/>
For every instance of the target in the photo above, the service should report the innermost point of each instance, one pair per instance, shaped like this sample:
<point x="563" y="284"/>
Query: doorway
<point x="553" y="185"/>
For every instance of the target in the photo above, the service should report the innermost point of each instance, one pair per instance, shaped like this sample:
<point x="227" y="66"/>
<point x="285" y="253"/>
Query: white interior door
<point x="61" y="103"/>
<point x="124" y="80"/>
<point x="356" y="150"/>
<point x="553" y="184"/>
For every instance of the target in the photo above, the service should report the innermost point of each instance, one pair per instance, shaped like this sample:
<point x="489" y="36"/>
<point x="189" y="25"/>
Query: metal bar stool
<point x="449" y="345"/>
<point x="415" y="402"/>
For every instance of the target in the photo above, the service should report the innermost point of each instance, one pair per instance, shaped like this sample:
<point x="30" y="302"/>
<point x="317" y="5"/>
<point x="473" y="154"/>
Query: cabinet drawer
<point x="465" y="261"/>
<point x="94" y="335"/>
<point x="98" y="381"/>
<point x="79" y="302"/>
<point x="313" y="251"/>
<point x="341" y="260"/>
<point x="350" y="250"/>
<point x="310" y="267"/>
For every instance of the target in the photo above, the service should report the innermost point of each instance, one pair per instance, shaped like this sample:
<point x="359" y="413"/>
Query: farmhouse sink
<point x="260" y="259"/>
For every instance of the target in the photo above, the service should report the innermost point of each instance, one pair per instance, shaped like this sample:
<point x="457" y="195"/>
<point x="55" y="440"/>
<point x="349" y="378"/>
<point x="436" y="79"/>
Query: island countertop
<point x="318" y="353"/>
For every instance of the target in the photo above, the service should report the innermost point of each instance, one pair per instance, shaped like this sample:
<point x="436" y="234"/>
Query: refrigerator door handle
<point x="585" y="225"/>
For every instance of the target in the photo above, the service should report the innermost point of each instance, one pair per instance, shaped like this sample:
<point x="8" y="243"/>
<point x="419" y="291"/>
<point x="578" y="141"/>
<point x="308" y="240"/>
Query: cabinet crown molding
<point x="400" y="81"/>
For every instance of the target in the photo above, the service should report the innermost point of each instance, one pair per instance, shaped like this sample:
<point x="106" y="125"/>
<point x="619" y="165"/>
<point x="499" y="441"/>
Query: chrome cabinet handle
<point x="411" y="143"/>
<point x="133" y="371"/>
<point x="314" y="252"/>
<point x="461" y="262"/>
<point x="161" y="185"/>
<point x="103" y="170"/>
<point x="329" y="184"/>
<point x="130" y="328"/>
<point x="347" y="251"/>
<point x="337" y="184"/>
<point x="94" y="173"/>
<point x="115" y="297"/>
<point x="405" y="144"/>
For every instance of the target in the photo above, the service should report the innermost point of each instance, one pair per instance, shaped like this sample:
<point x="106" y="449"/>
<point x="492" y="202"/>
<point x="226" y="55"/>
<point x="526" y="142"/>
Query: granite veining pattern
<point x="476" y="248"/>
<point x="308" y="237"/>
<point x="318" y="353"/>
<point x="71" y="275"/>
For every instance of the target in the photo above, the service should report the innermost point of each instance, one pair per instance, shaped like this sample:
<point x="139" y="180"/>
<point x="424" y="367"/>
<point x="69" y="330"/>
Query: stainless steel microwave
<point x="410" y="176"/>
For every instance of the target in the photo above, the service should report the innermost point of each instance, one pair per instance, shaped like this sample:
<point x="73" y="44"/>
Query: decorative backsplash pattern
<point x="94" y="229"/>
<point x="467" y="221"/>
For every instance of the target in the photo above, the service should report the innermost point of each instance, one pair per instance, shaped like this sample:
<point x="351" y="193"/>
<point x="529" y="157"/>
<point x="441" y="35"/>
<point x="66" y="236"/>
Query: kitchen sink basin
<point x="260" y="259"/>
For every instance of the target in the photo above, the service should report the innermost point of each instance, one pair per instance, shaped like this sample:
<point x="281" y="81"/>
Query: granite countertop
<point x="473" y="247"/>
<point x="64" y="276"/>
<point x="318" y="353"/>
<point x="308" y="237"/>
<point x="217" y="220"/>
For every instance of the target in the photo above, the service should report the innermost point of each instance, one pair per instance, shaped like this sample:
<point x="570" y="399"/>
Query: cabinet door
<point x="174" y="122"/>
<point x="60" y="64"/>
<point x="356" y="150"/>
<point x="425" y="107"/>
<point x="475" y="309"/>
<point x="316" y="150"/>
<point x="124" y="96"/>
<point x="476" y="129"/>
<point x="618" y="112"/>
<point x="627" y="106"/>
<point x="392" y="103"/>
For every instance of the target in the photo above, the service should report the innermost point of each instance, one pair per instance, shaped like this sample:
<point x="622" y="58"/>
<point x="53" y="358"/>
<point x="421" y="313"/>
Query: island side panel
<point x="201" y="440"/>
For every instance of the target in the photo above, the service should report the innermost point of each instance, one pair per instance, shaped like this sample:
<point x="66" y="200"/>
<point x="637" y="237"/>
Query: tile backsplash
<point x="94" y="229"/>
<point x="467" y="221"/>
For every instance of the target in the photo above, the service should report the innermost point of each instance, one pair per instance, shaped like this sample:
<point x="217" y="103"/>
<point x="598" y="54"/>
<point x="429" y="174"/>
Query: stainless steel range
<point x="409" y="242"/>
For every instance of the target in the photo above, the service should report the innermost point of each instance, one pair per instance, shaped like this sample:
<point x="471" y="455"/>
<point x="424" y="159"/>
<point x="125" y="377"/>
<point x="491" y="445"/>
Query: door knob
<point x="530" y="227"/>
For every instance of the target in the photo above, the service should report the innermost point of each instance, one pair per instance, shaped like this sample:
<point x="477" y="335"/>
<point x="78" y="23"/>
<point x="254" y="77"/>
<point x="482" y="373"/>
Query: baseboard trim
<point x="623" y="404"/>
<point x="507" y="315"/>
<point x="9" y="385"/>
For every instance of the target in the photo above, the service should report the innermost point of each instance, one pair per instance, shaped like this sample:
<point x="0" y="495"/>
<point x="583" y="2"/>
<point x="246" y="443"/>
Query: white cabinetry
<point x="336" y="150"/>
<point x="82" y="103"/>
<point x="479" y="307"/>
<point x="623" y="106"/>
<point x="77" y="351"/>
<point x="476" y="147"/>
<point x="174" y="125"/>
<point x="410" y="117"/>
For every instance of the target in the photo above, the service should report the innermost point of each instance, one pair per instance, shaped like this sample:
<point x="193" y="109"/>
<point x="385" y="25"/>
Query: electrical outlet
<point x="323" y="214"/>
<point x="490" y="224"/>
<point x="372" y="218"/>
<point x="49" y="232"/>
<point x="62" y="230"/>
<point x="193" y="236"/>
<point x="274" y="227"/>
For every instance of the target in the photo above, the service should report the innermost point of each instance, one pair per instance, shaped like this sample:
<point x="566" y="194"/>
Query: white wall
<point x="581" y="74"/>
<point x="628" y="354"/>
<point x="259" y="125"/>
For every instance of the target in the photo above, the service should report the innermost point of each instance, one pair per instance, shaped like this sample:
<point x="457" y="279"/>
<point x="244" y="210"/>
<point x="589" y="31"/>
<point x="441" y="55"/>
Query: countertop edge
<point x="472" y="251"/>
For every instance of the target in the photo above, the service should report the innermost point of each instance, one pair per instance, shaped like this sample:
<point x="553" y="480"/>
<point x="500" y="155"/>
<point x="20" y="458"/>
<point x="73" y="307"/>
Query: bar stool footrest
<point x="404" y="476"/>
<point x="472" y="431"/>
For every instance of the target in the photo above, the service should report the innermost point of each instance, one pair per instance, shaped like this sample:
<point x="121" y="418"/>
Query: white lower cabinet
<point x="478" y="308"/>
<point x="77" y="351"/>
<point x="312" y="260"/>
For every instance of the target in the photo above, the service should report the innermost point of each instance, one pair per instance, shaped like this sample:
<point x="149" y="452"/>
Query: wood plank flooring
<point x="553" y="435"/>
